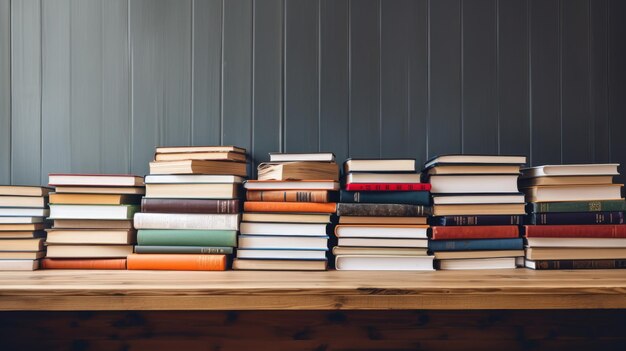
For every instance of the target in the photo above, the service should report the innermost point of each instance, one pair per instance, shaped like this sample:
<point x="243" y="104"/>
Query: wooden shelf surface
<point x="68" y="290"/>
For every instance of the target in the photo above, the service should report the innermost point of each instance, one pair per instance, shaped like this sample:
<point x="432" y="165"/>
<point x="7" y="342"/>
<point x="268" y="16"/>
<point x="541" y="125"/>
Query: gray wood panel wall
<point x="95" y="85"/>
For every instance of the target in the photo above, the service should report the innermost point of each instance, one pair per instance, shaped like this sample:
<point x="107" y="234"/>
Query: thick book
<point x="21" y="220"/>
<point x="474" y="232"/>
<point x="576" y="231"/>
<point x="388" y="187"/>
<point x="215" y="250"/>
<point x="90" y="236"/>
<point x="298" y="171"/>
<point x="22" y="235"/>
<point x="570" y="180"/>
<point x="476" y="244"/>
<point x="382" y="242"/>
<point x="83" y="263"/>
<point x="92" y="224"/>
<point x="291" y="185"/>
<point x="100" y="190"/>
<point x="381" y="231"/>
<point x="479" y="199"/>
<point x="559" y="253"/>
<point x="304" y="229"/>
<point x="117" y="212"/>
<point x="282" y="254"/>
<point x="35" y="244"/>
<point x="174" y="262"/>
<point x="282" y="242"/>
<point x="294" y="157"/>
<point x="280" y="265"/>
<point x="21" y="255"/>
<point x="571" y="170"/>
<point x="288" y="195"/>
<point x="458" y="255"/>
<point x="23" y="201"/>
<point x="21" y="190"/>
<point x="307" y="207"/>
<point x="382" y="220"/>
<point x="474" y="184"/>
<point x="190" y="206"/>
<point x="183" y="149"/>
<point x="162" y="237"/>
<point x="476" y="159"/>
<point x="382" y="210"/>
<point x="88" y="251"/>
<point x="192" y="179"/>
<point x="384" y="197"/>
<point x="379" y="165"/>
<point x="576" y="242"/>
<point x="578" y="206"/>
<point x="98" y="180"/>
<point x="383" y="263"/>
<point x="193" y="191"/>
<point x="286" y="217"/>
<point x="573" y="193"/>
<point x="186" y="221"/>
<point x="213" y="156"/>
<point x="382" y="251"/>
<point x="94" y="199"/>
<point x="473" y="169"/>
<point x="383" y="178"/>
<point x="21" y="226"/>
<point x="477" y="220"/>
<point x="18" y="265"/>
<point x="576" y="264"/>
<point x="24" y="211"/>
<point x="199" y="167"/>
<point x="576" y="218"/>
<point x="477" y="263"/>
<point x="478" y="209"/>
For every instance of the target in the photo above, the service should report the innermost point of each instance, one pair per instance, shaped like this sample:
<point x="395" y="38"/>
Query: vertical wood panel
<point x="545" y="82"/>
<point x="577" y="125"/>
<point x="160" y="38"/>
<point x="418" y="80"/>
<point x="207" y="72"/>
<point x="5" y="91"/>
<point x="334" y="79"/>
<point x="480" y="109"/>
<point x="364" y="131"/>
<point x="301" y="76"/>
<point x="598" y="18"/>
<point x="617" y="82"/>
<point x="445" y="78"/>
<point x="513" y="75"/>
<point x="268" y="78"/>
<point x="26" y="92"/>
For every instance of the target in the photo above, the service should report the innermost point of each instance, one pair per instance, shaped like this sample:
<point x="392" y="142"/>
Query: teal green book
<point x="184" y="237"/>
<point x="183" y="250"/>
<point x="577" y="206"/>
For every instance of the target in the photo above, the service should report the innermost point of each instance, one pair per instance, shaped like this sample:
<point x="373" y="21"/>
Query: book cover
<point x="288" y="195"/>
<point x="474" y="232"/>
<point x="576" y="264"/>
<point x="190" y="206"/>
<point x="308" y="207"/>
<point x="479" y="244"/>
<point x="578" y="206"/>
<point x="556" y="218"/>
<point x="576" y="231"/>
<point x="183" y="262"/>
<point x="159" y="237"/>
<point x="386" y="197"/>
<point x="81" y="263"/>
<point x="388" y="186"/>
<point x="140" y="249"/>
<point x="391" y="210"/>
<point x="476" y="220"/>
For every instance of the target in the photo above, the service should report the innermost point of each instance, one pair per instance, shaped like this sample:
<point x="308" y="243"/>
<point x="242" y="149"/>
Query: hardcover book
<point x="99" y="180"/>
<point x="195" y="191"/>
<point x="379" y="165"/>
<point x="298" y="171"/>
<point x="186" y="221"/>
<point x="484" y="220"/>
<point x="576" y="264"/>
<point x="94" y="199"/>
<point x="381" y="231"/>
<point x="291" y="185"/>
<point x="474" y="232"/>
<point x="19" y="190"/>
<point x="576" y="231"/>
<point x="566" y="218"/>
<point x="205" y="206"/>
<point x="382" y="197"/>
<point x="288" y="195"/>
<point x="83" y="263"/>
<point x="390" y="210"/>
<point x="476" y="159"/>
<point x="295" y="157"/>
<point x="383" y="263"/>
<point x="213" y="156"/>
<point x="188" y="149"/>
<point x="174" y="262"/>
<point x="199" y="167"/>
<point x="388" y="186"/>
<point x="153" y="249"/>
<point x="479" y="244"/>
<point x="307" y="207"/>
<point x="578" y="206"/>
<point x="280" y="265"/>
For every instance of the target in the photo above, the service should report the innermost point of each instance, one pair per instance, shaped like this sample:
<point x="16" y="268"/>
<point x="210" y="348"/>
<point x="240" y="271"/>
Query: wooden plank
<point x="207" y="72"/>
<point x="160" y="44"/>
<point x="445" y="124"/>
<point x="545" y="82"/>
<point x="5" y="91"/>
<point x="480" y="81"/>
<point x="364" y="127"/>
<point x="617" y="83"/>
<point x="334" y="77"/>
<point x="578" y="122"/>
<point x="598" y="84"/>
<point x="302" y="76"/>
<point x="513" y="78"/>
<point x="268" y="79"/>
<point x="418" y="80"/>
<point x="26" y="92"/>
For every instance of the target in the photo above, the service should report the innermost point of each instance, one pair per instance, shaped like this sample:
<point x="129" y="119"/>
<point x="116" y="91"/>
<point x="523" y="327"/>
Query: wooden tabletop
<point x="237" y="290"/>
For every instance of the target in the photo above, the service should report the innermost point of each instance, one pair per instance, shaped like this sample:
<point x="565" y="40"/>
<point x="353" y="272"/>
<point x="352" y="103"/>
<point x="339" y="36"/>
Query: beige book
<point x="299" y="171"/>
<point x="92" y="224"/>
<point x="18" y="190"/>
<point x="99" y="190"/>
<point x="383" y="251"/>
<point x="474" y="169"/>
<point x="23" y="201"/>
<point x="18" y="265"/>
<point x="450" y="255"/>
<point x="479" y="209"/>
<point x="94" y="199"/>
<point x="545" y="253"/>
<point x="199" y="167"/>
<point x="22" y="255"/>
<point x="569" y="180"/>
<point x="286" y="217"/>
<point x="192" y="191"/>
<point x="22" y="235"/>
<point x="34" y="244"/>
<point x="215" y="156"/>
<point x="182" y="149"/>
<point x="92" y="236"/>
<point x="280" y="265"/>
<point x="382" y="220"/>
<point x="89" y="251"/>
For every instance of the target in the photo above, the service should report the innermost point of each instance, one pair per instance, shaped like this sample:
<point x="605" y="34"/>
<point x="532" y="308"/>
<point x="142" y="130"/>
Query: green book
<point x="577" y="206"/>
<point x="186" y="237"/>
<point x="183" y="250"/>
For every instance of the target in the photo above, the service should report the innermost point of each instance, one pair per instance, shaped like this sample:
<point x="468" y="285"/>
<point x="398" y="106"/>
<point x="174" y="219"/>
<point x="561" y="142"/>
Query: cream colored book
<point x="23" y="201"/>
<point x="93" y="236"/>
<point x="192" y="191"/>
<point x="199" y="167"/>
<point x="299" y="171"/>
<point x="89" y="251"/>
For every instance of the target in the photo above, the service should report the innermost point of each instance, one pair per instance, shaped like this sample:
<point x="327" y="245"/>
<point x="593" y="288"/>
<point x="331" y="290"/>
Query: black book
<point x="477" y="220"/>
<point x="391" y="210"/>
<point x="576" y="264"/>
<point x="556" y="218"/>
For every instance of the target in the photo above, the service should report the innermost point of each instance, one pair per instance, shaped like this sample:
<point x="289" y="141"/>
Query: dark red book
<point x="576" y="231"/>
<point x="475" y="232"/>
<point x="388" y="186"/>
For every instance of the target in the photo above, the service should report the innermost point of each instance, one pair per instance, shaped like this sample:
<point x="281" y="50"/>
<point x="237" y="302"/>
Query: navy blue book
<point x="557" y="218"/>
<point x="476" y="245"/>
<point x="477" y="220"/>
<point x="386" y="197"/>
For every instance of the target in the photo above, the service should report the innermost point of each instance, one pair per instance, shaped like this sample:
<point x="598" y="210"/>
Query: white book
<point x="378" y="242"/>
<point x="286" y="217"/>
<point x="282" y="242"/>
<point x="89" y="251"/>
<point x="23" y="201"/>
<point x="282" y="254"/>
<point x="21" y="220"/>
<point x="379" y="165"/>
<point x="383" y="178"/>
<point x="571" y="170"/>
<point x="186" y="221"/>
<point x="314" y="156"/>
<point x="92" y="211"/>
<point x="478" y="263"/>
<point x="291" y="229"/>
<point x="573" y="193"/>
<point x="95" y="180"/>
<point x="576" y="242"/>
<point x="192" y="179"/>
<point x="479" y="199"/>
<point x="383" y="263"/>
<point x="19" y="265"/>
<point x="291" y="185"/>
<point x="28" y="212"/>
<point x="381" y="231"/>
<point x="475" y="159"/>
<point x="473" y="184"/>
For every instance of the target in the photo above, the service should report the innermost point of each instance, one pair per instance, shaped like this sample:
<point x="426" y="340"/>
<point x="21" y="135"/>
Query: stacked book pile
<point x="22" y="215"/>
<point x="190" y="215"/>
<point x="477" y="210"/>
<point x="382" y="213"/>
<point x="93" y="226"/>
<point x="287" y="213"/>
<point x="575" y="217"/>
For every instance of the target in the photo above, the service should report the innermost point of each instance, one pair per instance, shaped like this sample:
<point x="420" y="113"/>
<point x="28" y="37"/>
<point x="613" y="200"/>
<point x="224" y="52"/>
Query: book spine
<point x="475" y="232"/>
<point x="310" y="207"/>
<point x="382" y="197"/>
<point x="189" y="206"/>
<point x="186" y="221"/>
<point x="576" y="231"/>
<point x="183" y="250"/>
<point x="580" y="264"/>
<point x="182" y="262"/>
<point x="155" y="237"/>
<point x="388" y="186"/>
<point x="470" y="245"/>
<point x="382" y="210"/>
<point x="75" y="263"/>
<point x="556" y="218"/>
<point x="578" y="206"/>
<point x="287" y="195"/>
<point x="476" y="220"/>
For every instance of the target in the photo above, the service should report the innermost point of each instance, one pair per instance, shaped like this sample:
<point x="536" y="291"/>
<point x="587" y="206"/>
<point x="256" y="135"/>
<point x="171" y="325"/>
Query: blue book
<point x="476" y="245"/>
<point x="386" y="197"/>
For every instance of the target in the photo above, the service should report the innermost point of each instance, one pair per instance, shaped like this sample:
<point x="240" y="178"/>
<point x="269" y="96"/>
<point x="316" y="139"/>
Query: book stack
<point x="190" y="215"/>
<point x="575" y="217"/>
<point x="93" y="226"/>
<point x="477" y="210"/>
<point x="22" y="220"/>
<point x="287" y="213"/>
<point x="382" y="213"/>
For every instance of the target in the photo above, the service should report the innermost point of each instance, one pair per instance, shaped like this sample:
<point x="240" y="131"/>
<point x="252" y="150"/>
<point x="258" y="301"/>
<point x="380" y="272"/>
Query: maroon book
<point x="475" y="232"/>
<point x="576" y="231"/>
<point x="189" y="206"/>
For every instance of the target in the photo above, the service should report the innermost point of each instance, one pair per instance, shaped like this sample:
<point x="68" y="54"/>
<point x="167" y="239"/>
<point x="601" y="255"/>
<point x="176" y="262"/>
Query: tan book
<point x="99" y="190"/>
<point x="117" y="180"/>
<point x="571" y="170"/>
<point x="573" y="193"/>
<point x="474" y="169"/>
<point x="88" y="251"/>
<point x="91" y="236"/>
<point x="23" y="201"/>
<point x="92" y="224"/>
<point x="182" y="149"/>
<point x="19" y="265"/>
<point x="549" y="253"/>
<point x="444" y="255"/>
<point x="21" y="227"/>
<point x="22" y="235"/>
<point x="280" y="265"/>
<point x="35" y="244"/>
<point x="286" y="217"/>
<point x="215" y="156"/>
<point x="479" y="209"/>
<point x="299" y="171"/>
<point x="17" y="190"/>
<point x="22" y="255"/>
<point x="94" y="199"/>
<point x="383" y="251"/>
<point x="195" y="191"/>
<point x="199" y="167"/>
<point x="381" y="231"/>
<point x="382" y="220"/>
<point x="570" y="180"/>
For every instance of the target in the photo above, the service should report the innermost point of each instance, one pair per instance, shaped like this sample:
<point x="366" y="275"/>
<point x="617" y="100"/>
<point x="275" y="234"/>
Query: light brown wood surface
<point x="238" y="290"/>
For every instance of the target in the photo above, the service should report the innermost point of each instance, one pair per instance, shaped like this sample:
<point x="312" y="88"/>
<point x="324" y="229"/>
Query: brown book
<point x="23" y="201"/>
<point x="94" y="199"/>
<point x="474" y="232"/>
<point x="91" y="236"/>
<point x="21" y="255"/>
<point x="22" y="235"/>
<point x="280" y="265"/>
<point x="99" y="190"/>
<point x="177" y="262"/>
<point x="182" y="149"/>
<point x="81" y="263"/>
<point x="22" y="227"/>
<point x="382" y="220"/>
<point x="199" y="167"/>
<point x="89" y="251"/>
<point x="190" y="206"/>
<point x="288" y="195"/>
<point x="35" y="244"/>
<point x="299" y="171"/>
<point x="576" y="231"/>
<point x="307" y="207"/>
<point x="214" y="156"/>
<point x="92" y="224"/>
<point x="198" y="191"/>
<point x="18" y="190"/>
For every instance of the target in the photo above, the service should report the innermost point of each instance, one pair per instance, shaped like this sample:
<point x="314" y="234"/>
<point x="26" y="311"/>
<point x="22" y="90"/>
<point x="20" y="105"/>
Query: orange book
<point x="79" y="263"/>
<point x="287" y="195"/>
<point x="177" y="262"/>
<point x="307" y="207"/>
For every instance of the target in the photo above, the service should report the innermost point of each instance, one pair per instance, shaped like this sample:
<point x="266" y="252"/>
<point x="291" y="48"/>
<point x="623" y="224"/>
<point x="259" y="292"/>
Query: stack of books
<point x="575" y="217"/>
<point x="190" y="215"/>
<point x="382" y="213"/>
<point x="22" y="219"/>
<point x="288" y="213"/>
<point x="93" y="226"/>
<point x="477" y="210"/>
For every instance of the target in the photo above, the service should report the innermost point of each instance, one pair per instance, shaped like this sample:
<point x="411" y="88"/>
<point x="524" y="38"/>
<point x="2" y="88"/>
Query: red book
<point x="388" y="186"/>
<point x="177" y="262"/>
<point x="475" y="232"/>
<point x="576" y="231"/>
<point x="303" y="207"/>
<point x="79" y="263"/>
